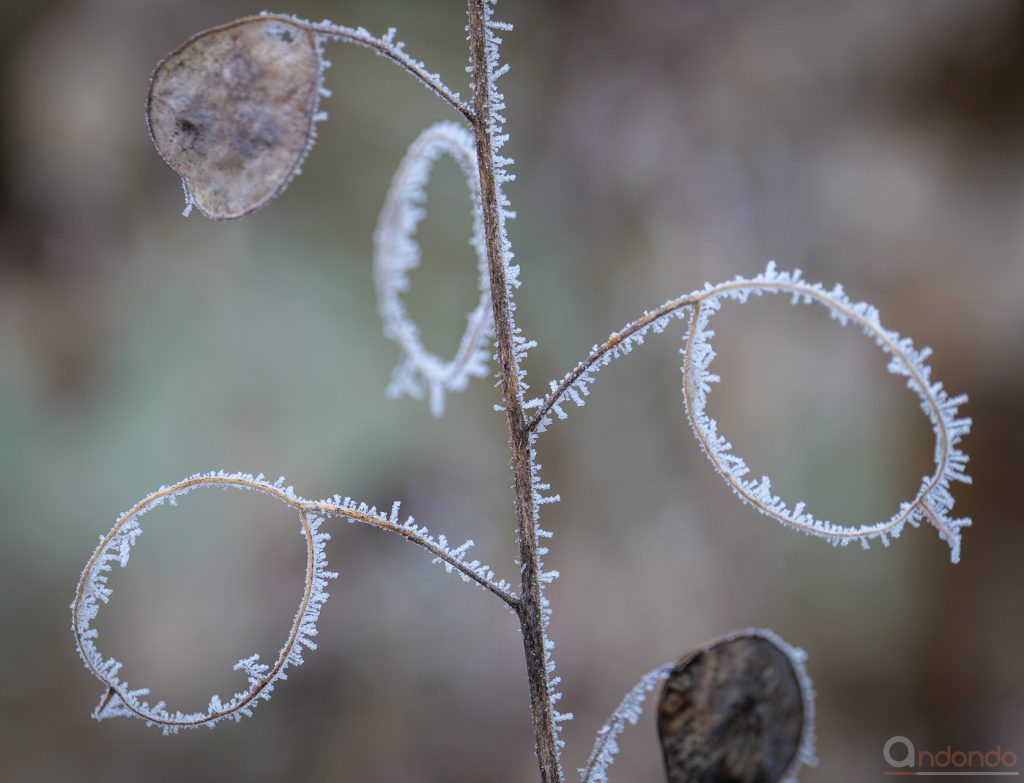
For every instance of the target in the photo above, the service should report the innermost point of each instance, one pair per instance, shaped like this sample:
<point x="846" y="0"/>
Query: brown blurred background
<point x="659" y="144"/>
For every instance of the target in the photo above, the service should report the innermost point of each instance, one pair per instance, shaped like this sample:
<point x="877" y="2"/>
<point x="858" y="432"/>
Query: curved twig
<point x="451" y="558"/>
<point x="615" y="341"/>
<point x="388" y="48"/>
<point x="606" y="745"/>
<point x="933" y="501"/>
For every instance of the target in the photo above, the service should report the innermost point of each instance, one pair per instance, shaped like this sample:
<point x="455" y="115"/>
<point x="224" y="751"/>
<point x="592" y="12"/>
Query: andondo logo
<point x="906" y="760"/>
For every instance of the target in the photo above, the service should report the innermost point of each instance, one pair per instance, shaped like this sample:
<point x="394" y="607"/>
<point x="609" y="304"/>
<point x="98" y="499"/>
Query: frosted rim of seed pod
<point x="233" y="111"/>
<point x="396" y="253"/>
<point x="933" y="501"/>
<point x="121" y="700"/>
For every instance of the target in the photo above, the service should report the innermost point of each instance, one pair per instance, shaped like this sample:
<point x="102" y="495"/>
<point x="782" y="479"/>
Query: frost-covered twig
<point x="933" y="501"/>
<point x="120" y="700"/>
<point x="606" y="746"/>
<point x="575" y="384"/>
<point x="452" y="558"/>
<point x="93" y="590"/>
<point x="387" y="47"/>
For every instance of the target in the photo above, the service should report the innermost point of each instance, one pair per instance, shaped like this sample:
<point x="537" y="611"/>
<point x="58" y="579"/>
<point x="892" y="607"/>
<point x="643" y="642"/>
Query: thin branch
<point x="387" y="48"/>
<point x="606" y="745"/>
<point x="92" y="584"/>
<point x="933" y="500"/>
<point x="415" y="535"/>
<point x="614" y="341"/>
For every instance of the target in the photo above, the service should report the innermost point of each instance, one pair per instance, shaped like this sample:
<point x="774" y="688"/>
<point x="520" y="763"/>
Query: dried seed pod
<point x="738" y="709"/>
<point x="232" y="111"/>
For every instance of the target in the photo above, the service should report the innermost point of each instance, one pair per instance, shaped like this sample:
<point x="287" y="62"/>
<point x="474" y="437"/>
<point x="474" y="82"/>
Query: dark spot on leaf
<point x="283" y="33"/>
<point x="189" y="133"/>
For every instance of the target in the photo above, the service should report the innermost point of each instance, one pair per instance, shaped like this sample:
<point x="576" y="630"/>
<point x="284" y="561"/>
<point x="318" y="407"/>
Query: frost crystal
<point x="396" y="253"/>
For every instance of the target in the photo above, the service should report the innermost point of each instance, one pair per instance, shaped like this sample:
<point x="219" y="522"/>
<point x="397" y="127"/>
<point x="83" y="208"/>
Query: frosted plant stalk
<point x="476" y="148"/>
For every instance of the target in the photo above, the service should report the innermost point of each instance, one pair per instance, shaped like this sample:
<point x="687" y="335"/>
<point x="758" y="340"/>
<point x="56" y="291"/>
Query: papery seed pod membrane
<point x="739" y="709"/>
<point x="232" y="111"/>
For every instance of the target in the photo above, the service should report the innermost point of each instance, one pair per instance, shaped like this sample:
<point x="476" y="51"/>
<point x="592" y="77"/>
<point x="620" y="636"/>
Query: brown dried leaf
<point x="732" y="711"/>
<point x="232" y="111"/>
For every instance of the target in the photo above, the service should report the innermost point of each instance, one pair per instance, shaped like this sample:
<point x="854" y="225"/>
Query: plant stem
<point x="529" y="608"/>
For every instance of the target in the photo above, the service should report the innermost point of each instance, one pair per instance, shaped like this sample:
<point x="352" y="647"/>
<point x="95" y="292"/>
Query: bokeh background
<point x="659" y="144"/>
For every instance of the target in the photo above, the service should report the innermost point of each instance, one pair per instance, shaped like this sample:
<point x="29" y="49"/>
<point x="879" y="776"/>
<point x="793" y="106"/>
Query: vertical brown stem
<point x="529" y="609"/>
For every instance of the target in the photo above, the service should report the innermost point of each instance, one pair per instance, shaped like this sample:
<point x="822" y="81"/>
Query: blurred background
<point x="659" y="145"/>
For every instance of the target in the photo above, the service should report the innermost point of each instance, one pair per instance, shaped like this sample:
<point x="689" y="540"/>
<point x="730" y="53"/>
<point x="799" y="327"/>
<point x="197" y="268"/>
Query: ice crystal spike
<point x="396" y="253"/>
<point x="933" y="502"/>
